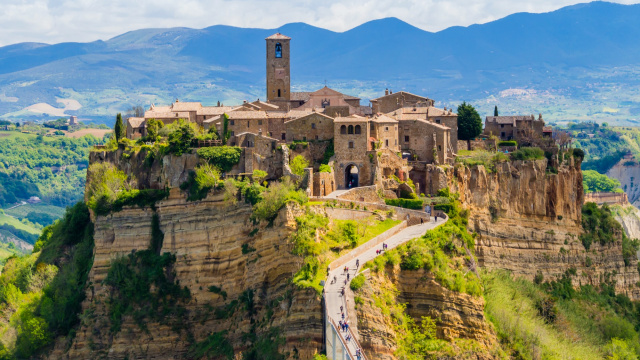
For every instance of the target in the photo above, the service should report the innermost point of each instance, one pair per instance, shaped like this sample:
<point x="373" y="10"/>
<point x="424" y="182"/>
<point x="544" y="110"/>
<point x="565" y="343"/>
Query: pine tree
<point x="119" y="129"/>
<point x="495" y="111"/>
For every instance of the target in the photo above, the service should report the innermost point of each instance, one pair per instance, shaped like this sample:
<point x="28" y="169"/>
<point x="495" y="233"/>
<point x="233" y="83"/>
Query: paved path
<point x="335" y="194"/>
<point x="333" y="297"/>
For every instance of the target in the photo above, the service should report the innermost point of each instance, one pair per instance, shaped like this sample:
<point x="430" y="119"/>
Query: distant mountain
<point x="558" y="61"/>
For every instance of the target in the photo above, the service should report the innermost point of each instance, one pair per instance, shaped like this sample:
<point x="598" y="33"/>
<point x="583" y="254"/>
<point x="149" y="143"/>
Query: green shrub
<point x="578" y="153"/>
<point x="599" y="225"/>
<point x="325" y="168"/>
<point x="357" y="282"/>
<point x="215" y="346"/>
<point x="275" y="197"/>
<point x="328" y="152"/>
<point x="223" y="157"/>
<point x="259" y="175"/>
<point x="415" y="204"/>
<point x="593" y="181"/>
<point x="181" y="137"/>
<point x="508" y="143"/>
<point x="528" y="153"/>
<point x="298" y="164"/>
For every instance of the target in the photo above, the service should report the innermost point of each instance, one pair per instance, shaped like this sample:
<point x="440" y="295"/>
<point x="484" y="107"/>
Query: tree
<point x="119" y="128"/>
<point x="495" y="111"/>
<point x="153" y="126"/>
<point x="135" y="111"/>
<point x="298" y="164"/>
<point x="469" y="122"/>
<point x="259" y="175"/>
<point x="593" y="181"/>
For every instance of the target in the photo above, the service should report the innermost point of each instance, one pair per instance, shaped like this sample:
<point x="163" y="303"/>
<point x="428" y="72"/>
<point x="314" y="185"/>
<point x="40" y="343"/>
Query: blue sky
<point x="53" y="21"/>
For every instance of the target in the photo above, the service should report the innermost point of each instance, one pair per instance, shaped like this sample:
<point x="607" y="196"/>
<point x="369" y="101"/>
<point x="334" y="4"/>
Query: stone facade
<point x="315" y="126"/>
<point x="136" y="128"/>
<point x="513" y="127"/>
<point x="390" y="101"/>
<point x="385" y="130"/>
<point x="351" y="146"/>
<point x="324" y="183"/>
<point x="328" y="97"/>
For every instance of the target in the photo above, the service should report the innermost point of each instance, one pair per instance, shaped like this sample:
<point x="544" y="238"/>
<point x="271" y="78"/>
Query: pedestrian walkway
<point x="335" y="194"/>
<point x="334" y="290"/>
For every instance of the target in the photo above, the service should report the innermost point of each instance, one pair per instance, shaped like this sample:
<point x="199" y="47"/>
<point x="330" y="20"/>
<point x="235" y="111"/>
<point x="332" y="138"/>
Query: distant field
<point x="22" y="211"/>
<point x="99" y="133"/>
<point x="5" y="219"/>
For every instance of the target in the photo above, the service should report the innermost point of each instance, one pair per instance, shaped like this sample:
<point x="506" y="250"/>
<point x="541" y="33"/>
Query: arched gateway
<point x="351" y="176"/>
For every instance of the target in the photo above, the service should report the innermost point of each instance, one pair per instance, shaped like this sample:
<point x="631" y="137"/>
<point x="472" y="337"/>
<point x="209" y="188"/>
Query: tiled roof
<point x="278" y="36"/>
<point x="214" y="110"/>
<point x="166" y="115"/>
<point x="383" y="119"/>
<point x="242" y="115"/>
<point x="547" y="129"/>
<point x="185" y="106"/>
<point x="309" y="114"/>
<point x="136" y="122"/>
<point x="263" y="105"/>
<point x="400" y="93"/>
<point x="414" y="113"/>
<point x="366" y="110"/>
<point x="350" y="118"/>
<point x="508" y="119"/>
<point x="300" y="96"/>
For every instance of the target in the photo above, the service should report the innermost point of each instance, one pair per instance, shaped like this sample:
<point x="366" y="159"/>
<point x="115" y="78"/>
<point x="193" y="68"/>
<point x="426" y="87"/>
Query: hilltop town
<point x="397" y="136"/>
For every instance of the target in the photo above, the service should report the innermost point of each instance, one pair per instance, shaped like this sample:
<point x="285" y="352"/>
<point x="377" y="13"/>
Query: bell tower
<point x="278" y="68"/>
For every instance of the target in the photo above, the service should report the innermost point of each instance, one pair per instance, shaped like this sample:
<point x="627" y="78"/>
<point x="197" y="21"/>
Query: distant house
<point x="33" y="200"/>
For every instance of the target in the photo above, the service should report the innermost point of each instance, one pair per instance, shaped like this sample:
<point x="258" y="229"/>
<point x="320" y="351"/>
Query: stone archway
<point x="351" y="176"/>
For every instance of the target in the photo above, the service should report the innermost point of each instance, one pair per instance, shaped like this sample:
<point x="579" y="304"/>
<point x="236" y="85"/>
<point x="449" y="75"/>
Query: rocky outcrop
<point x="629" y="217"/>
<point x="457" y="315"/>
<point x="216" y="244"/>
<point x="627" y="171"/>
<point x="529" y="220"/>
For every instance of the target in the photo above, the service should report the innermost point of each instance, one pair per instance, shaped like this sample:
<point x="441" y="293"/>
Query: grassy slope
<point x="5" y="219"/>
<point x="22" y="211"/>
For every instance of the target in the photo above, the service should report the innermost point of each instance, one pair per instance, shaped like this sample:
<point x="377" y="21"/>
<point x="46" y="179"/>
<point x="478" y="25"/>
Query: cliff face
<point x="628" y="172"/>
<point x="528" y="221"/>
<point x="207" y="238"/>
<point x="458" y="315"/>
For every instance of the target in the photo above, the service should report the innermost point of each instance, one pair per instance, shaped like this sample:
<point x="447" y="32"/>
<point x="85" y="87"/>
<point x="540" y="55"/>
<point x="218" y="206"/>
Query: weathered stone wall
<point x="315" y="126"/>
<point x="607" y="198"/>
<point x="418" y="137"/>
<point x="323" y="183"/>
<point x="207" y="238"/>
<point x="391" y="102"/>
<point x="367" y="194"/>
<point x="313" y="151"/>
<point x="354" y="154"/>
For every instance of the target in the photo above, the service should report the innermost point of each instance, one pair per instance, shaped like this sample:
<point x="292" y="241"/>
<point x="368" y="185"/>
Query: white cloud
<point x="55" y="21"/>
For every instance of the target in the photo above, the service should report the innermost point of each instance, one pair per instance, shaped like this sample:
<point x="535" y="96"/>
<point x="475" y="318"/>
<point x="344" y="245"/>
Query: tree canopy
<point x="593" y="181"/>
<point x="469" y="122"/>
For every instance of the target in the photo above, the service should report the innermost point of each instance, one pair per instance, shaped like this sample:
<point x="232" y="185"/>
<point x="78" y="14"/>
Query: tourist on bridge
<point x="357" y="263"/>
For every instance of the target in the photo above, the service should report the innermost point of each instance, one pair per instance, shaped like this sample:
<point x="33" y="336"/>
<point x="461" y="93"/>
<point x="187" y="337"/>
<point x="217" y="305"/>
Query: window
<point x="396" y="142"/>
<point x="350" y="144"/>
<point x="406" y="139"/>
<point x="386" y="143"/>
<point x="259" y="122"/>
<point x="386" y="128"/>
<point x="316" y="137"/>
<point x="503" y="134"/>
<point x="350" y="129"/>
<point x="248" y="123"/>
<point x="279" y="93"/>
<point x="439" y="147"/>
<point x="358" y="129"/>
<point x="278" y="53"/>
<point x="233" y="133"/>
<point x="284" y="136"/>
<point x="437" y="121"/>
<point x="501" y="126"/>
<point x="343" y="129"/>
<point x="313" y="125"/>
<point x="232" y="122"/>
<point x="304" y="138"/>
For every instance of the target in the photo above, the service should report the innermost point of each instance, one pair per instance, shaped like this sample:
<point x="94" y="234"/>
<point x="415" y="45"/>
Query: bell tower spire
<point x="278" y="68"/>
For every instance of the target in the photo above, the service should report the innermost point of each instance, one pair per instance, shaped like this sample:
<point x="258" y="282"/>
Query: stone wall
<point x="607" y="198"/>
<point x="323" y="183"/>
<point x="351" y="149"/>
<point x="424" y="138"/>
<point x="368" y="194"/>
<point x="315" y="126"/>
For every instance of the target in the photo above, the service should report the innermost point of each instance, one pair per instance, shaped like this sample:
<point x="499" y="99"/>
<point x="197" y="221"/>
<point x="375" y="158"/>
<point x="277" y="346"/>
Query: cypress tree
<point x="119" y="130"/>
<point x="495" y="111"/>
<point x="469" y="122"/>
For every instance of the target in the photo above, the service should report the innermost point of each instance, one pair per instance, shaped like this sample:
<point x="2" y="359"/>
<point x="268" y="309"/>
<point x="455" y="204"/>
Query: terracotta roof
<point x="366" y="110"/>
<point x="254" y="134"/>
<point x="547" y="129"/>
<point x="383" y="119"/>
<point x="160" y="108"/>
<point x="508" y="119"/>
<point x="136" y="122"/>
<point x="166" y="115"/>
<point x="262" y="104"/>
<point x="309" y="114"/>
<point x="325" y="88"/>
<point x="278" y="36"/>
<point x="300" y="95"/>
<point x="185" y="106"/>
<point x="350" y="118"/>
<point x="415" y="113"/>
<point x="242" y="115"/>
<point x="400" y="92"/>
<point x="214" y="110"/>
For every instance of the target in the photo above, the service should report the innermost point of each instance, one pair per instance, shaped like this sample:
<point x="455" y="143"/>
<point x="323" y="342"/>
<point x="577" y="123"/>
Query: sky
<point x="54" y="21"/>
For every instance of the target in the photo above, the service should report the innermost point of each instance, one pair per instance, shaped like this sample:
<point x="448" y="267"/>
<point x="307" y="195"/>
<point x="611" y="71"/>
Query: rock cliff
<point x="458" y="315"/>
<point x="528" y="221"/>
<point x="216" y="244"/>
<point x="628" y="172"/>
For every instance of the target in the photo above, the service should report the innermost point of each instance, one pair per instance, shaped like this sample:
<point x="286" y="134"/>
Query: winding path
<point x="333" y="291"/>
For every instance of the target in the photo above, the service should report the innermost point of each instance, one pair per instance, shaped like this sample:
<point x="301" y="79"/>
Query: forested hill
<point x="552" y="59"/>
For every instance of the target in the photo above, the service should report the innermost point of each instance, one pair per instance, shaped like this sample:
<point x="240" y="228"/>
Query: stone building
<point x="209" y="112"/>
<point x="327" y="97"/>
<point x="278" y="70"/>
<point x="136" y="128"/>
<point x="393" y="101"/>
<point x="384" y="133"/>
<point x="314" y="126"/>
<point x="352" y="147"/>
<point x="513" y="127"/>
<point x="430" y="114"/>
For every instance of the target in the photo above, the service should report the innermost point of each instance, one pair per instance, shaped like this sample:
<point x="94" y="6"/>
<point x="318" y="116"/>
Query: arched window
<point x="279" y="93"/>
<point x="350" y="131"/>
<point x="358" y="129"/>
<point x="278" y="50"/>
<point x="343" y="129"/>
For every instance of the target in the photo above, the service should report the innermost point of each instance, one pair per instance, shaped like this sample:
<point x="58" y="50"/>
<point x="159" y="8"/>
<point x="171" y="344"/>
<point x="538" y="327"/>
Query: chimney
<point x="390" y="92"/>
<point x="244" y="101"/>
<point x="386" y="92"/>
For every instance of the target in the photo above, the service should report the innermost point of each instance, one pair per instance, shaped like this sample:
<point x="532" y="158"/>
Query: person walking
<point x="357" y="263"/>
<point x="421" y="221"/>
<point x="340" y="308"/>
<point x="436" y="218"/>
